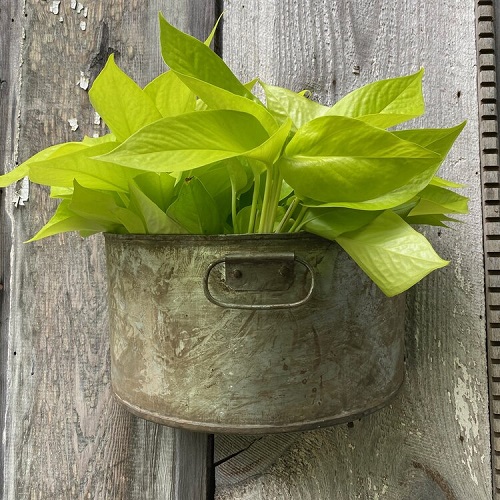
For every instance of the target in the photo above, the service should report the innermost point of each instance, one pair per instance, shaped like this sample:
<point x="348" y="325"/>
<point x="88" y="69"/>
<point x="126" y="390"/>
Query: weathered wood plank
<point x="433" y="441"/>
<point x="65" y="436"/>
<point x="9" y="107"/>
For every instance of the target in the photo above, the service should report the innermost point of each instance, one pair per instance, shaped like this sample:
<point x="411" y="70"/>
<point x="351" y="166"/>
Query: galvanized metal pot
<point x="248" y="333"/>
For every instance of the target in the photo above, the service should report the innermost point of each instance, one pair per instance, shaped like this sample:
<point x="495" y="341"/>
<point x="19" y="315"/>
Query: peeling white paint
<point x="61" y="19"/>
<point x="79" y="7"/>
<point x="54" y="8"/>
<point x="83" y="82"/>
<point x="22" y="194"/>
<point x="85" y="12"/>
<point x="73" y="123"/>
<point x="83" y="25"/>
<point x="466" y="410"/>
<point x="73" y="4"/>
<point x="97" y="118"/>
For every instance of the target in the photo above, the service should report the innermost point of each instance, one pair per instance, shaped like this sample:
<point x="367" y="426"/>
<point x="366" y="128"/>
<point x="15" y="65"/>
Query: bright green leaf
<point x="170" y="95"/>
<point x="61" y="192"/>
<point x="214" y="97"/>
<point x="439" y="140"/>
<point x="384" y="103"/>
<point x="23" y="170"/>
<point x="64" y="220"/>
<point x="269" y="151"/>
<point x="217" y="182"/>
<point x="285" y="191"/>
<point x="156" y="221"/>
<point x="183" y="54"/>
<point x="210" y="37"/>
<point x="102" y="206"/>
<point x="121" y="103"/>
<point x="430" y="220"/>
<point x="391" y="199"/>
<point x="242" y="220"/>
<point x="341" y="160"/>
<point x="330" y="223"/>
<point x="438" y="200"/>
<point x="189" y="141"/>
<point x="158" y="187"/>
<point x="437" y="181"/>
<point x="391" y="253"/>
<point x="195" y="210"/>
<point x="94" y="141"/>
<point x="62" y="170"/>
<point x="213" y="82"/>
<point x="238" y="174"/>
<point x="285" y="104"/>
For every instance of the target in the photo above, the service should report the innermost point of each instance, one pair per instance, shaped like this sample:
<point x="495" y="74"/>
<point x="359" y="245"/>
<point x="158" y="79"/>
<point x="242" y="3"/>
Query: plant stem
<point x="288" y="214"/>
<point x="268" y="191"/>
<point x="233" y="208"/>
<point x="255" y="200"/>
<point x="298" y="220"/>
<point x="276" y="192"/>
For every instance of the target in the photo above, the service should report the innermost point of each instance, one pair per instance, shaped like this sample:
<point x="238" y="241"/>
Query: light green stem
<point x="233" y="208"/>
<point x="268" y="191"/>
<point x="255" y="200"/>
<point x="298" y="220"/>
<point x="276" y="192"/>
<point x="288" y="214"/>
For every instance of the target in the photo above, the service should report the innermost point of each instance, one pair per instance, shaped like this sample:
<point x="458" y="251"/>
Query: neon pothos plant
<point x="195" y="151"/>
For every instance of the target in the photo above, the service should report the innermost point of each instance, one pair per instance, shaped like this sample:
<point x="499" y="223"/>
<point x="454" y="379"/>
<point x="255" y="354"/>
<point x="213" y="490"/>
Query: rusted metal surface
<point x="180" y="360"/>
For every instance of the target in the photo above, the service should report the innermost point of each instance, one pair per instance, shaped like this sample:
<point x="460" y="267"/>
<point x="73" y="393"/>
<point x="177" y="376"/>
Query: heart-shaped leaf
<point x="195" y="210"/>
<point x="155" y="220"/>
<point x="391" y="253"/>
<point x="170" y="96"/>
<point x="189" y="141"/>
<point x="438" y="200"/>
<point x="341" y="160"/>
<point x="62" y="170"/>
<point x="384" y="103"/>
<point x="183" y="54"/>
<point x="121" y="103"/>
<point x="23" y="170"/>
<point x="64" y="220"/>
<point x="285" y="104"/>
<point x="103" y="206"/>
<point x="330" y="223"/>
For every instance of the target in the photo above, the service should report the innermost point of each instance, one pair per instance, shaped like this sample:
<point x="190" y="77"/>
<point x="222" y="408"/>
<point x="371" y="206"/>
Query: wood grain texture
<point x="65" y="437"/>
<point x="9" y="107"/>
<point x="433" y="441"/>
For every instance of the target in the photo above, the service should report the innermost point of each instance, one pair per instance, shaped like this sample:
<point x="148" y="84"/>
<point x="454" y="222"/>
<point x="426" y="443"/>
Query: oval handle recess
<point x="259" y="273"/>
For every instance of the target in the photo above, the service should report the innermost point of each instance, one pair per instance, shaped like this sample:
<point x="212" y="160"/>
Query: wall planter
<point x="302" y="338"/>
<point x="229" y="221"/>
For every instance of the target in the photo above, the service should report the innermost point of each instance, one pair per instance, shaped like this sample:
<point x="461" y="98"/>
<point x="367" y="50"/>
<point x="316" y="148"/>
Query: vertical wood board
<point x="65" y="437"/>
<point x="433" y="442"/>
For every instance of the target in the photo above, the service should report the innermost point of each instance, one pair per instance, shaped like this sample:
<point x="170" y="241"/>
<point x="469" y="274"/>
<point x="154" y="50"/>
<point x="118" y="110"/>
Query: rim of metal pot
<point x="215" y="237"/>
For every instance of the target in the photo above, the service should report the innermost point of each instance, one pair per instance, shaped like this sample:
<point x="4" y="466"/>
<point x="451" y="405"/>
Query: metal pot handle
<point x="284" y="271"/>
